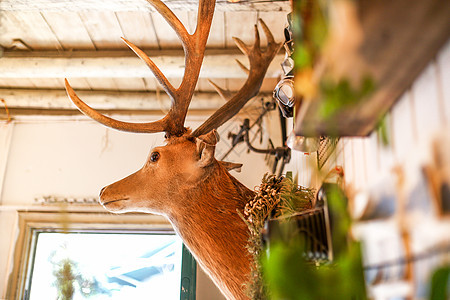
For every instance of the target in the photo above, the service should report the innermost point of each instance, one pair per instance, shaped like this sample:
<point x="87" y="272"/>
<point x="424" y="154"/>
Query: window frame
<point x="31" y="223"/>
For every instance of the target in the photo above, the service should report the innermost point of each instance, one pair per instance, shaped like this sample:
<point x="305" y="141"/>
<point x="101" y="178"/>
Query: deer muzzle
<point x="110" y="200"/>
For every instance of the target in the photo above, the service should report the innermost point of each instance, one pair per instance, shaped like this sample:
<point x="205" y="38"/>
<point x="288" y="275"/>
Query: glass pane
<point x="106" y="266"/>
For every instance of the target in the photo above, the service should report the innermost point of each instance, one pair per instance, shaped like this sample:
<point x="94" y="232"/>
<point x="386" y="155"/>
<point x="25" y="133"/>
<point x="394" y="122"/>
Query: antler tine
<point x="241" y="45"/>
<point x="194" y="49"/>
<point x="244" y="68"/>
<point x="269" y="35"/>
<point x="151" y="127"/>
<point x="259" y="63"/>
<point x="225" y="94"/>
<point x="257" y="44"/>
<point x="167" y="86"/>
<point x="204" y="18"/>
<point x="172" y="20"/>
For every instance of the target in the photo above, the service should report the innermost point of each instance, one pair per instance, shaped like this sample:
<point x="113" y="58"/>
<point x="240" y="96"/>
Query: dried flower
<point x="275" y="196"/>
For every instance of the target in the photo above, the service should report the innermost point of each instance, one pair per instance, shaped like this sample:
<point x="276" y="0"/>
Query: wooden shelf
<point x="401" y="37"/>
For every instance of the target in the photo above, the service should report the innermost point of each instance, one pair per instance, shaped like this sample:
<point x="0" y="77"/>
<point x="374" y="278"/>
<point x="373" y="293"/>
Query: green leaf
<point x="336" y="96"/>
<point x="302" y="57"/>
<point x="439" y="287"/>
<point x="289" y="275"/>
<point x="382" y="129"/>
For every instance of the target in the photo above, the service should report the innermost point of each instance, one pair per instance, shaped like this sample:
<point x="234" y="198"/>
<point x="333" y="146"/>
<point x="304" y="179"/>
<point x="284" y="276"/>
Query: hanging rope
<point x="7" y="110"/>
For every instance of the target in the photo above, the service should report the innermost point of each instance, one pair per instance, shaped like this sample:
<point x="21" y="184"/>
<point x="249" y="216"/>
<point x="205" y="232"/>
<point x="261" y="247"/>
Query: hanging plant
<point x="275" y="197"/>
<point x="284" y="268"/>
<point x="290" y="274"/>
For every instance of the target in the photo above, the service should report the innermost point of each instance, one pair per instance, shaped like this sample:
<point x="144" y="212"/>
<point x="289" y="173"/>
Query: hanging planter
<point x="300" y="243"/>
<point x="276" y="197"/>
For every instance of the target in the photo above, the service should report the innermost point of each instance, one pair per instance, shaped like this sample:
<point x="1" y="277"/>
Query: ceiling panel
<point x="167" y="38"/>
<point x="137" y="27"/>
<point x="240" y="24"/>
<point x="151" y="84"/>
<point x="31" y="28"/>
<point x="48" y="83"/>
<point x="69" y="30"/>
<point x="104" y="84"/>
<point x="22" y="83"/>
<point x="130" y="84"/>
<point x="104" y="29"/>
<point x="79" y="83"/>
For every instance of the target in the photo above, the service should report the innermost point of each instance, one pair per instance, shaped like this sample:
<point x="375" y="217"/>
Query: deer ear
<point x="206" y="153"/>
<point x="211" y="138"/>
<point x="231" y="166"/>
<point x="206" y="146"/>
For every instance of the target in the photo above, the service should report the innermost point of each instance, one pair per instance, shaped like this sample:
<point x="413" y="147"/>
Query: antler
<point x="259" y="63"/>
<point x="194" y="49"/>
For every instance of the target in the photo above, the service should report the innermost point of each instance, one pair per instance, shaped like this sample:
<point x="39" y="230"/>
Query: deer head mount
<point x="182" y="180"/>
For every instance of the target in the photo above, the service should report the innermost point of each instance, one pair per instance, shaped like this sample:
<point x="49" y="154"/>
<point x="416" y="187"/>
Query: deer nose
<point x="102" y="190"/>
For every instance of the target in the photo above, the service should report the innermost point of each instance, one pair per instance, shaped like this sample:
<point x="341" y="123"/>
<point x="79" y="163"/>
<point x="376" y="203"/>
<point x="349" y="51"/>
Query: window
<point x="133" y="257"/>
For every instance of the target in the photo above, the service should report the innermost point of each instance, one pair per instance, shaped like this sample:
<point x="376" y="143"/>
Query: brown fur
<point x="200" y="198"/>
<point x="214" y="232"/>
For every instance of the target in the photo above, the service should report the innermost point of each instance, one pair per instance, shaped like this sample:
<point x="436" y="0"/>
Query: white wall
<point x="63" y="157"/>
<point x="76" y="157"/>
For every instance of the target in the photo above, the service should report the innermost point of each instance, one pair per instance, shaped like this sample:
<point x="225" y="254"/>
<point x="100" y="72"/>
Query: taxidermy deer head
<point x="182" y="180"/>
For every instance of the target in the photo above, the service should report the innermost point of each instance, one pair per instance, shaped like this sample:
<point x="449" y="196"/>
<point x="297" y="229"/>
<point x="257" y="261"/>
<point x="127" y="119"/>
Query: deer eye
<point x="154" y="156"/>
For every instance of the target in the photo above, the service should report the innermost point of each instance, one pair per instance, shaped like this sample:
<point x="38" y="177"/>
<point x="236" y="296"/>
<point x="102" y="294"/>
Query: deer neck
<point x="214" y="232"/>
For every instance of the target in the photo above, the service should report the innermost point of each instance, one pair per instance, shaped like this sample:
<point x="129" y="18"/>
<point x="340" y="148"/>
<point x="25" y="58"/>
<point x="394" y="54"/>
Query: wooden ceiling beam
<point x="80" y="53"/>
<point x="18" y="113"/>
<point x="104" y="100"/>
<point x="121" y="64"/>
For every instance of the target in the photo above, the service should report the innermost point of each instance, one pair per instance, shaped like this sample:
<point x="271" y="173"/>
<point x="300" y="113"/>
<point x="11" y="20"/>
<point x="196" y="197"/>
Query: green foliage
<point x="336" y="96"/>
<point x="281" y="271"/>
<point x="310" y="30"/>
<point x="382" y="129"/>
<point x="439" y="287"/>
<point x="294" y="198"/>
<point x="289" y="275"/>
<point x="302" y="57"/>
